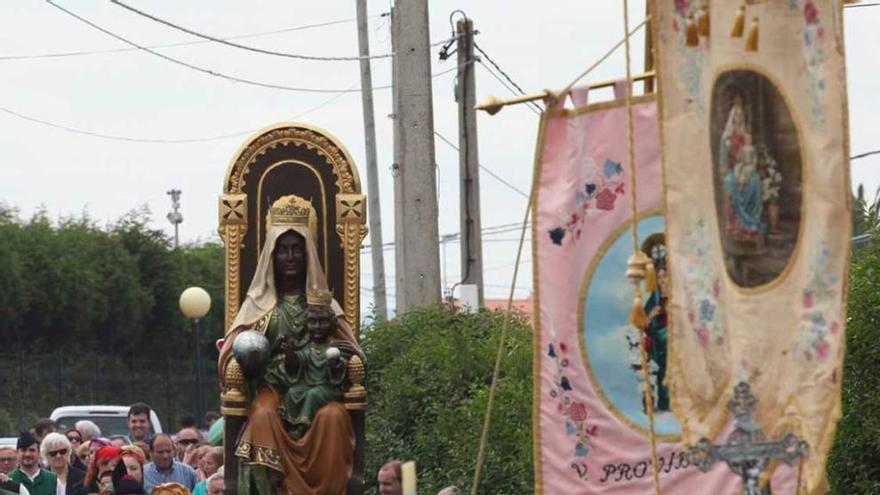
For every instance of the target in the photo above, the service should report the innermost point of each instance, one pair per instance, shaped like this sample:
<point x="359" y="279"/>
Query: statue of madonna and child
<point x="298" y="438"/>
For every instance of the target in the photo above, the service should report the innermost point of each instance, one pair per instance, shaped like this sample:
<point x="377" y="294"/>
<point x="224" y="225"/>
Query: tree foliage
<point x="428" y="377"/>
<point x="854" y="464"/>
<point x="76" y="297"/>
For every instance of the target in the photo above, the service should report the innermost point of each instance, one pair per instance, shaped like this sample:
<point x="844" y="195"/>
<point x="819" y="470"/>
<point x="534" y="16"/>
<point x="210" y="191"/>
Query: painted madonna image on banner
<point x="757" y="176"/>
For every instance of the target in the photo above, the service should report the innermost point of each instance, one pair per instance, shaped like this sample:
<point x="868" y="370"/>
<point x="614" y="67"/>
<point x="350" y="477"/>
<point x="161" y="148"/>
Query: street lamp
<point x="194" y="304"/>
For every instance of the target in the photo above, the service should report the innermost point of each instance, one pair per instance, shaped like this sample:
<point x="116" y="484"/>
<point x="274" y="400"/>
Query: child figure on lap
<point x="317" y="368"/>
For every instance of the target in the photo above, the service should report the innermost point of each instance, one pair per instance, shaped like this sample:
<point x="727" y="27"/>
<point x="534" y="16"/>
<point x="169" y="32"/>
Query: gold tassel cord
<point x="752" y="39"/>
<point x="638" y="261"/>
<point x="650" y="278"/>
<point x="739" y="22"/>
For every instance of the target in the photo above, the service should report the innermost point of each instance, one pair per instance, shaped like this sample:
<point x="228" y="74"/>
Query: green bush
<point x="854" y="464"/>
<point x="428" y="377"/>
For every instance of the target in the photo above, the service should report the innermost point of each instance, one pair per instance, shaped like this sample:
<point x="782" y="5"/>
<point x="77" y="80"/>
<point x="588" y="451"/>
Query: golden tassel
<point x="693" y="37"/>
<point x="703" y="20"/>
<point x="650" y="278"/>
<point x="752" y="39"/>
<point x="637" y="317"/>
<point x="739" y="22"/>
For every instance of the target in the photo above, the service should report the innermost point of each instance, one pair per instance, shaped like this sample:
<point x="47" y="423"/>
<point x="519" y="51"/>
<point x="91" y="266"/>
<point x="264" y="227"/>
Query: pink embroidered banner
<point x="589" y="420"/>
<point x="753" y="103"/>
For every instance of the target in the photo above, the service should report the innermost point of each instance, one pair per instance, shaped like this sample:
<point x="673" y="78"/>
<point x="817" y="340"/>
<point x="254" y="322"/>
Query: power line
<point x="202" y="69"/>
<point x="178" y="44"/>
<point x="488" y="171"/>
<point x="503" y="73"/>
<point x="156" y="140"/>
<point x="240" y="46"/>
<point x="867" y="153"/>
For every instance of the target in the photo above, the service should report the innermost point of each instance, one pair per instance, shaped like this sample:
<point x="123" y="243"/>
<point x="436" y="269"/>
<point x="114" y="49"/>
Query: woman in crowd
<point x="55" y="450"/>
<point x="212" y="461"/>
<point x="84" y="454"/>
<point x="98" y="479"/>
<point x="170" y="489"/>
<point x="76" y="439"/>
<point x="133" y="458"/>
<point x="88" y="429"/>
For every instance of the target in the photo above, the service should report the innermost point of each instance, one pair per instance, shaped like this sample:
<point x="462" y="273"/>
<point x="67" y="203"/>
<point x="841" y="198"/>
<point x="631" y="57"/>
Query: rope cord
<point x="604" y="57"/>
<point x="487" y="420"/>
<point x="630" y="143"/>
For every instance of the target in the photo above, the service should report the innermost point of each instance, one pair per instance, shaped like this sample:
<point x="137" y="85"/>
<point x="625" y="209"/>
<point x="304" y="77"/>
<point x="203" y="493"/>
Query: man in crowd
<point x="37" y="481"/>
<point x="43" y="428"/>
<point x="139" y="423"/>
<point x="187" y="441"/>
<point x="8" y="463"/>
<point x="390" y="479"/>
<point x="165" y="468"/>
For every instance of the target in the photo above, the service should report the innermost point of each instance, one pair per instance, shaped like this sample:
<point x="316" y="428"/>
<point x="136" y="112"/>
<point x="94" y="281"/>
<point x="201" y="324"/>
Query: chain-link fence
<point x="32" y="385"/>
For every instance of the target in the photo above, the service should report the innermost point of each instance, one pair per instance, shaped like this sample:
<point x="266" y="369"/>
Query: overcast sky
<point x="133" y="94"/>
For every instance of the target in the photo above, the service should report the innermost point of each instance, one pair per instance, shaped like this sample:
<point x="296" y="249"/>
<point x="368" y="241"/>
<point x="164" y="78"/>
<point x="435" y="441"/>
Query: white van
<point x="112" y="420"/>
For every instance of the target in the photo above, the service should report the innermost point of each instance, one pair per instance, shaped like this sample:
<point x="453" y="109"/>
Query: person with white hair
<point x="450" y="490"/>
<point x="88" y="429"/>
<point x="216" y="483"/>
<point x="55" y="451"/>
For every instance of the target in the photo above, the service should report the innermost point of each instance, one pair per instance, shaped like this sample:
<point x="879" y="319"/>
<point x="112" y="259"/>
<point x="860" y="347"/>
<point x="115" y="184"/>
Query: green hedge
<point x="428" y="378"/>
<point x="854" y="465"/>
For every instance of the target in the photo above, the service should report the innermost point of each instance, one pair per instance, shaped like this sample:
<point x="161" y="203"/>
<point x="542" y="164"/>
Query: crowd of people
<point x="80" y="461"/>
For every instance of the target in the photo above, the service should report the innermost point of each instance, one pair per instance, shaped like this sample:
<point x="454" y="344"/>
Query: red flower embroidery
<point x="808" y="300"/>
<point x="716" y="288"/>
<point x="559" y="407"/>
<point x="691" y="317"/>
<point x="577" y="411"/>
<point x="703" y="336"/>
<point x="593" y="430"/>
<point x="823" y="349"/>
<point x="835" y="327"/>
<point x="563" y="347"/>
<point x="811" y="13"/>
<point x="605" y="199"/>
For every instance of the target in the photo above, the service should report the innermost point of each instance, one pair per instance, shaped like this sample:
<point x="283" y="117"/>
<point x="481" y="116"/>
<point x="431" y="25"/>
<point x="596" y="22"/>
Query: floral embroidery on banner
<point x="575" y="412"/>
<point x="814" y="37"/>
<point x="598" y="194"/>
<point x="818" y="328"/>
<point x="703" y="288"/>
<point x="691" y="65"/>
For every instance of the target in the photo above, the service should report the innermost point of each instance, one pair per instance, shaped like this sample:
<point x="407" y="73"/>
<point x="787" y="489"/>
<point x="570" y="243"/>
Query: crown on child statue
<point x="291" y="210"/>
<point x="318" y="296"/>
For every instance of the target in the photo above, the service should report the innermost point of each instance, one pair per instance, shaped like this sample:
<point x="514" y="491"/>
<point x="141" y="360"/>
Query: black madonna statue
<point x="293" y="443"/>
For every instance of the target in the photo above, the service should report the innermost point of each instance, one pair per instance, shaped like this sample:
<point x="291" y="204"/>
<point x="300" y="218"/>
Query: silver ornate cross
<point x="747" y="452"/>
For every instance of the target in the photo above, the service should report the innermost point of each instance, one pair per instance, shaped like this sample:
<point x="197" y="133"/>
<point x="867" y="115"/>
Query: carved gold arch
<point x="235" y="224"/>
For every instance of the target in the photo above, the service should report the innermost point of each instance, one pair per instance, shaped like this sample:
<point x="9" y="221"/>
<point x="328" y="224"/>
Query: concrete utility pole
<point x="418" y="253"/>
<point x="469" y="168"/>
<point x="374" y="213"/>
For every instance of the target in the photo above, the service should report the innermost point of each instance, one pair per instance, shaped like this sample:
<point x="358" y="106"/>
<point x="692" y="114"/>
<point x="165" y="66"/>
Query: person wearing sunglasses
<point x="76" y="439"/>
<point x="55" y="449"/>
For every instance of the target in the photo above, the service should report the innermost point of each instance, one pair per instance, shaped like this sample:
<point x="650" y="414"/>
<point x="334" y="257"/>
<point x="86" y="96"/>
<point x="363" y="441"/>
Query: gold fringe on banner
<point x="739" y="22"/>
<point x="703" y="20"/>
<point x="693" y="35"/>
<point x="752" y="39"/>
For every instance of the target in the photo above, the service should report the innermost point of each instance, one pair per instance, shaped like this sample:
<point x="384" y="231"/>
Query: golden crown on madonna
<point x="293" y="211"/>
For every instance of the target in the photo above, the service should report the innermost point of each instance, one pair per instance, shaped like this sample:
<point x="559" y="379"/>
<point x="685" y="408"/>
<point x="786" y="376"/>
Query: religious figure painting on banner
<point x="757" y="176"/>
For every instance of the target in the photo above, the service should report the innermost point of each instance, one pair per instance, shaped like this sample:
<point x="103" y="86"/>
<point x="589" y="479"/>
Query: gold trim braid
<point x="257" y="455"/>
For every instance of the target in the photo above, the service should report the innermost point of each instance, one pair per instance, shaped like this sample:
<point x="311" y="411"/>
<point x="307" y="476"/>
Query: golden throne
<point x="284" y="159"/>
